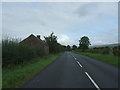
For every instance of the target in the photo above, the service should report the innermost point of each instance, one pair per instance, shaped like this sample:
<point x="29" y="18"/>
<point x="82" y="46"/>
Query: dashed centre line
<point x="77" y="61"/>
<point x="79" y="64"/>
<point x="88" y="75"/>
<point x="92" y="81"/>
<point x="74" y="57"/>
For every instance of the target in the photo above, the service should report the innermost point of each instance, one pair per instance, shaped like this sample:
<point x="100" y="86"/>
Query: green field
<point x="106" y="58"/>
<point x="14" y="77"/>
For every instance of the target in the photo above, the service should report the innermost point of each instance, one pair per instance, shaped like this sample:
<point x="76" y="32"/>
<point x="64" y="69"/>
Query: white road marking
<point x="74" y="57"/>
<point x="92" y="81"/>
<point x="79" y="64"/>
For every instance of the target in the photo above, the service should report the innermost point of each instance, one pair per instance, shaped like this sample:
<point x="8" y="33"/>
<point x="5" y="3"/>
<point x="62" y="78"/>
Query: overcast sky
<point x="69" y="21"/>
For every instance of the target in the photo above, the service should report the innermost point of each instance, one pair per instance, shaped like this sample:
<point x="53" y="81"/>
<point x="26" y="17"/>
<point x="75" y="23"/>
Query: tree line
<point x="55" y="47"/>
<point x="14" y="53"/>
<point x="84" y="44"/>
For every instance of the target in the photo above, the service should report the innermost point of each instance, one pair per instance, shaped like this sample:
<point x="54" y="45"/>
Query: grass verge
<point x="106" y="58"/>
<point x="14" y="77"/>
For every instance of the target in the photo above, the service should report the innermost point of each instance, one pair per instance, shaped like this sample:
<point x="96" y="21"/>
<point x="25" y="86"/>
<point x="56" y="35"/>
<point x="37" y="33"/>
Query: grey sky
<point x="69" y="21"/>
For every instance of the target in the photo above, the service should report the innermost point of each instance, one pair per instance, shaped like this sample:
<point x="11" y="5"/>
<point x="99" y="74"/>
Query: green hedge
<point x="97" y="50"/>
<point x="14" y="53"/>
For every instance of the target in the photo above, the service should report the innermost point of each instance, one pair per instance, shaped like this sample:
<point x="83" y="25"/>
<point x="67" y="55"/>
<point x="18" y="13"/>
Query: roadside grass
<point x="14" y="77"/>
<point x="105" y="58"/>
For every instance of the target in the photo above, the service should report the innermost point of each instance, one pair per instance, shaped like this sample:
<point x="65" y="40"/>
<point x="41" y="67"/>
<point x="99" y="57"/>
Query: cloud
<point x="22" y="19"/>
<point x="66" y="40"/>
<point x="96" y="10"/>
<point x="104" y="39"/>
<point x="85" y="9"/>
<point x="27" y="18"/>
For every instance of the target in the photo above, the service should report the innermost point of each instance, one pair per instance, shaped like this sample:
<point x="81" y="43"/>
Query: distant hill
<point x="107" y="45"/>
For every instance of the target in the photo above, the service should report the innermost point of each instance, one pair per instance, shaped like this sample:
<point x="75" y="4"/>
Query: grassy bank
<point x="14" y="77"/>
<point x="106" y="58"/>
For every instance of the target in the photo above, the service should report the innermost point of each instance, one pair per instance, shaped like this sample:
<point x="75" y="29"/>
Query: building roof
<point x="33" y="40"/>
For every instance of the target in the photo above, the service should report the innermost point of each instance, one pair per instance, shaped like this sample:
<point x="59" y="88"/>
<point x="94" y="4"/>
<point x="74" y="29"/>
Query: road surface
<point x="75" y="71"/>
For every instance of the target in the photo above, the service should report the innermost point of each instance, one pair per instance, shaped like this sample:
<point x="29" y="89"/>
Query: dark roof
<point x="32" y="40"/>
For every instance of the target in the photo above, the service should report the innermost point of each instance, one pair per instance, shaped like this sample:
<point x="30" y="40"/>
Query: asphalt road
<point x="75" y="71"/>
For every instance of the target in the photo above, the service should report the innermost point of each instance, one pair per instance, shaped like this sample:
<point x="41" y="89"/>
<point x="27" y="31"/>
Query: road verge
<point x="105" y="58"/>
<point x="14" y="77"/>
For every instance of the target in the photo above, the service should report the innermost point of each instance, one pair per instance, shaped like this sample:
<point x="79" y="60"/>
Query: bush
<point x="106" y="51"/>
<point x="116" y="51"/>
<point x="14" y="53"/>
<point x="39" y="51"/>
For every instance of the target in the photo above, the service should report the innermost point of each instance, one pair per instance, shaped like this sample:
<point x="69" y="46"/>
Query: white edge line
<point x="79" y="64"/>
<point x="92" y="81"/>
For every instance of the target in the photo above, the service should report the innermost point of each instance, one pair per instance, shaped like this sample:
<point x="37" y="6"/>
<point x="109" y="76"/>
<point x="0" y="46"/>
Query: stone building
<point x="36" y="41"/>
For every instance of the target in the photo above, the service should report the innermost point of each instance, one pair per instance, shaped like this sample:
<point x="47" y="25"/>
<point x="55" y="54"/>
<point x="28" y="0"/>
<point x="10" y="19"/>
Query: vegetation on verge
<point x="21" y="62"/>
<point x="54" y="46"/>
<point x="14" y="77"/>
<point x="14" y="53"/>
<point x="111" y="59"/>
<point x="106" y="54"/>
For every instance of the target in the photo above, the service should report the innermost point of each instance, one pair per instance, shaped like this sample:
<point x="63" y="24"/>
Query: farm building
<point x="36" y="41"/>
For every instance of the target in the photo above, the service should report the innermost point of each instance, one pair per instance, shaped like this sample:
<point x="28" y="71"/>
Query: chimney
<point x="38" y="36"/>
